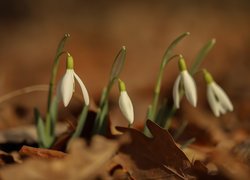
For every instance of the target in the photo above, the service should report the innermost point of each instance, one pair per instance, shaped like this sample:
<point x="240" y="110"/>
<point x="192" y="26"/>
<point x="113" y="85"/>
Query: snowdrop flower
<point x="67" y="84"/>
<point x="125" y="103"/>
<point x="184" y="82"/>
<point x="217" y="98"/>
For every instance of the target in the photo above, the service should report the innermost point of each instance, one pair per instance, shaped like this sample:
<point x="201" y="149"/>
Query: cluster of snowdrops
<point x="184" y="85"/>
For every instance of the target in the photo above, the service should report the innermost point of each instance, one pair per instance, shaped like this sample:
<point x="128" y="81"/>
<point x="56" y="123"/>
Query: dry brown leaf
<point x="117" y="171"/>
<point x="205" y="123"/>
<point x="9" y="158"/>
<point x="242" y="151"/>
<point x="83" y="162"/>
<point x="230" y="166"/>
<point x="153" y="158"/>
<point x="41" y="153"/>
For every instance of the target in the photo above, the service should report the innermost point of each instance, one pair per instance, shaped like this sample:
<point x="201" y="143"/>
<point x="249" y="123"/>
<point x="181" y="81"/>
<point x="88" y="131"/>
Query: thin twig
<point x="26" y="90"/>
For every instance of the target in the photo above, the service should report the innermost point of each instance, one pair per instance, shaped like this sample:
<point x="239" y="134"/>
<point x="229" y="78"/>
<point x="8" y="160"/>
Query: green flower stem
<point x="59" y="52"/>
<point x="152" y="110"/>
<point x="103" y="109"/>
<point x="154" y="106"/>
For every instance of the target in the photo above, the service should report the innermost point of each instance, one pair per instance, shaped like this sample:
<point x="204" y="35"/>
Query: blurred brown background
<point x="30" y="31"/>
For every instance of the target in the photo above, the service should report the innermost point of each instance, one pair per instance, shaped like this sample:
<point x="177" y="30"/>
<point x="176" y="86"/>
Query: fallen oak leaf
<point x="147" y="158"/>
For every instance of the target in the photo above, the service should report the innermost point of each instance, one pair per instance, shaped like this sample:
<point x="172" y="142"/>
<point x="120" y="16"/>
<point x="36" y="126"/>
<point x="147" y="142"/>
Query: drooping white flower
<point x="217" y="98"/>
<point x="125" y="103"/>
<point x="184" y="82"/>
<point x="67" y="84"/>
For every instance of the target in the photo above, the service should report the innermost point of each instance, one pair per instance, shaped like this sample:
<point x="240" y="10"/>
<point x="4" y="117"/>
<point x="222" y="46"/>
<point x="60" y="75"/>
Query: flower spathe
<point x="125" y="103"/>
<point x="67" y="84"/>
<point x="217" y="98"/>
<point x="185" y="81"/>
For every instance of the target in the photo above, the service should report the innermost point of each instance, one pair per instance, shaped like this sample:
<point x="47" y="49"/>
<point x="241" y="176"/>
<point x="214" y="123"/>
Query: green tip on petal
<point x="208" y="77"/>
<point x="70" y="62"/>
<point x="122" y="86"/>
<point x="182" y="64"/>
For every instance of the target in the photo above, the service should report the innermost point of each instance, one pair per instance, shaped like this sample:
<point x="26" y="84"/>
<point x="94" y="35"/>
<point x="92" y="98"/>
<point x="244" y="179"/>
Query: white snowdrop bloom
<point x="125" y="103"/>
<point x="67" y="84"/>
<point x="184" y="82"/>
<point x="216" y="96"/>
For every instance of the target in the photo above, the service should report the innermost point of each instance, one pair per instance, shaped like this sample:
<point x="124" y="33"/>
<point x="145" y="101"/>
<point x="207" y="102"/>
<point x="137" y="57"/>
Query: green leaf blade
<point x="168" y="52"/>
<point x="118" y="64"/>
<point x="40" y="126"/>
<point x="201" y="55"/>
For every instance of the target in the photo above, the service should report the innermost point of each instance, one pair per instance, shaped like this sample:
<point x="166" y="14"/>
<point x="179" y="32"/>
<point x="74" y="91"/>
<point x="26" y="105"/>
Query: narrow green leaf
<point x="181" y="129"/>
<point x="102" y="128"/>
<point x="81" y="122"/>
<point x="118" y="64"/>
<point x="201" y="55"/>
<point x="188" y="142"/>
<point x="168" y="52"/>
<point x="104" y="95"/>
<point x="41" y="134"/>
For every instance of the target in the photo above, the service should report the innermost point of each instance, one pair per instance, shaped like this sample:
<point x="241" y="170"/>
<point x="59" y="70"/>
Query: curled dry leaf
<point x="83" y="162"/>
<point x="153" y="158"/>
<point x="41" y="153"/>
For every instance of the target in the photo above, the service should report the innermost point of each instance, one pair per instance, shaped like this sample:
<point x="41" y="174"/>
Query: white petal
<point x="67" y="86"/>
<point x="176" y="92"/>
<point x="126" y="106"/>
<point x="212" y="101"/>
<point x="83" y="88"/>
<point x="222" y="97"/>
<point x="189" y="87"/>
<point x="221" y="109"/>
